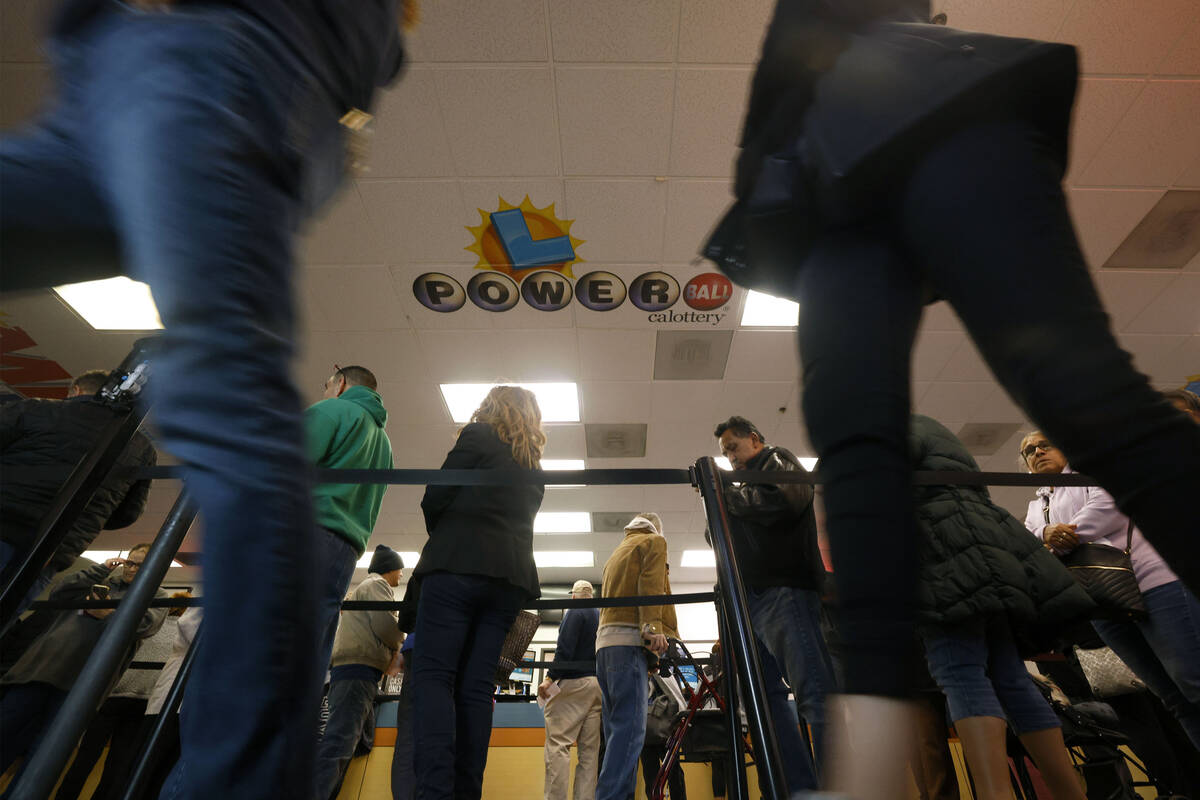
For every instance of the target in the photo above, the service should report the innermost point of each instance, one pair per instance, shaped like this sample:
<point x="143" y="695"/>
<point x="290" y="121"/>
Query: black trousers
<point x="982" y="222"/>
<point x="652" y="756"/>
<point x="117" y="724"/>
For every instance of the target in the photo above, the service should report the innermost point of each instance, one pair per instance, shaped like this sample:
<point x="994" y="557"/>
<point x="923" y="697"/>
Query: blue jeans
<point x="977" y="666"/>
<point x="787" y="621"/>
<point x="337" y="558"/>
<point x="462" y="621"/>
<point x="185" y="149"/>
<point x="1004" y="243"/>
<point x="1164" y="651"/>
<point x="25" y="711"/>
<point x="9" y="552"/>
<point x="625" y="694"/>
<point x="350" y="704"/>
<point x="798" y="766"/>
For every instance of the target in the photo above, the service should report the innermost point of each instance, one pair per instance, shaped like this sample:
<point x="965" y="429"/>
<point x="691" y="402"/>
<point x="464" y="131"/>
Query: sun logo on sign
<point x="517" y="240"/>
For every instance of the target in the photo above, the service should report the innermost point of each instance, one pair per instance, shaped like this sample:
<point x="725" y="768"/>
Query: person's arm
<point x="1099" y="518"/>
<point x="767" y="502"/>
<point x="152" y="620"/>
<point x="383" y="623"/>
<point x="320" y="430"/>
<point x="80" y="579"/>
<point x="652" y="580"/>
<point x="134" y="502"/>
<point x="566" y="647"/>
<point x="1035" y="520"/>
<point x="466" y="453"/>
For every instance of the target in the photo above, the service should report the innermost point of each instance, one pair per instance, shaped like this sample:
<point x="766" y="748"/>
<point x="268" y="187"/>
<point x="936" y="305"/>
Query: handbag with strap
<point x="1106" y="673"/>
<point x="1106" y="573"/>
<point x="516" y="643"/>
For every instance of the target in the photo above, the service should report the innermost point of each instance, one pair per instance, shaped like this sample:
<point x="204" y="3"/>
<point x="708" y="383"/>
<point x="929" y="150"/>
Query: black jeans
<point x="981" y="221"/>
<point x="351" y="703"/>
<point x="404" y="780"/>
<point x="118" y="724"/>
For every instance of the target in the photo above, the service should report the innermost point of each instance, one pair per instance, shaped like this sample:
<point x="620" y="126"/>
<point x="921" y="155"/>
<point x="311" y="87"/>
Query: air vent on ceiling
<point x="985" y="438"/>
<point x="691" y="355"/>
<point x="615" y="441"/>
<point x="611" y="521"/>
<point x="1166" y="238"/>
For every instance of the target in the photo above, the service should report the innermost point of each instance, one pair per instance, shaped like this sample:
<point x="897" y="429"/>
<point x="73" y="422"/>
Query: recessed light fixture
<point x="552" y="464"/>
<point x="808" y="463"/>
<point x="564" y="558"/>
<point x="100" y="556"/>
<point x="409" y="558"/>
<point x="764" y="311"/>
<point x="559" y="402"/>
<point x="698" y="558"/>
<point x="113" y="304"/>
<point x="562" y="522"/>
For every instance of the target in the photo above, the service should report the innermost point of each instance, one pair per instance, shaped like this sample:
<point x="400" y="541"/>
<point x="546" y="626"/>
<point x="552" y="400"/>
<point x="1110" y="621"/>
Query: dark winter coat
<point x="774" y="531"/>
<point x="51" y="437"/>
<point x="478" y="530"/>
<point x="976" y="558"/>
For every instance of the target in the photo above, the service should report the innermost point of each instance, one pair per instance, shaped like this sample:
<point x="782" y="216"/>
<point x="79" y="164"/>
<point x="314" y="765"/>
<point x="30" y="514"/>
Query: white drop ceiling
<point x="624" y="114"/>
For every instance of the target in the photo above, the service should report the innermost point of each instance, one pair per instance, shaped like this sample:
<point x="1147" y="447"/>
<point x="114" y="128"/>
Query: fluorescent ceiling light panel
<point x="808" y="463"/>
<point x="698" y="558"/>
<point x="114" y="304"/>
<point x="562" y="522"/>
<point x="410" y="559"/>
<point x="551" y="464"/>
<point x="559" y="402"/>
<point x="564" y="558"/>
<point x="100" y="556"/>
<point x="764" y="311"/>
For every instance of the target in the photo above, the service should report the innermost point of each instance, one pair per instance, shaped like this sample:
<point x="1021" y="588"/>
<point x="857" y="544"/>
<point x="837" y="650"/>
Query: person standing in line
<point x="474" y="574"/>
<point x="774" y="534"/>
<point x="404" y="779"/>
<point x="345" y="431"/>
<point x="625" y="641"/>
<point x="365" y="645"/>
<point x="188" y="144"/>
<point x="573" y="711"/>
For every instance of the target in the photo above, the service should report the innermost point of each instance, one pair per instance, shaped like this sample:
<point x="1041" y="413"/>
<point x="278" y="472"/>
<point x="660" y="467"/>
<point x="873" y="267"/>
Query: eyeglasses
<point x="1033" y="447"/>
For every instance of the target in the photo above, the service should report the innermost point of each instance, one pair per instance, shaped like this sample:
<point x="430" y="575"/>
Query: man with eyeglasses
<point x="345" y="431"/>
<point x="39" y="681"/>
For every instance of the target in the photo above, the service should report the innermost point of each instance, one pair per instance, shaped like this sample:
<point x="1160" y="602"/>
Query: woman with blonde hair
<point x="474" y="574"/>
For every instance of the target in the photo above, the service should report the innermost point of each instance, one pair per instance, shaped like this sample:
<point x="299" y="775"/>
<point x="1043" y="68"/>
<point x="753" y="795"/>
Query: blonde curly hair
<point x="514" y="414"/>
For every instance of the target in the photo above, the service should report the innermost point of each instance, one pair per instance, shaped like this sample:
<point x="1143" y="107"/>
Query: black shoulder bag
<point x="1106" y="573"/>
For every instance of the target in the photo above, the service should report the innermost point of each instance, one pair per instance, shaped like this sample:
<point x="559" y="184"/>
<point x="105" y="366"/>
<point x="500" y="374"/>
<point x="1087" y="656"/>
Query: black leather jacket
<point x="774" y="530"/>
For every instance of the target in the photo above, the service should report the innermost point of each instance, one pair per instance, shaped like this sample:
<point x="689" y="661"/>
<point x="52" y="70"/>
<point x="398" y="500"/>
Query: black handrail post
<point x="737" y="751"/>
<point x="121" y="392"/>
<point x="742" y="641"/>
<point x="85" y="696"/>
<point x="170" y="707"/>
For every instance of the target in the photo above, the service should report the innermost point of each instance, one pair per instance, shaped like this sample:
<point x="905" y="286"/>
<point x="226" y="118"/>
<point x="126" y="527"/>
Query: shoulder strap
<point x="1129" y="538"/>
<point x="1046" y="507"/>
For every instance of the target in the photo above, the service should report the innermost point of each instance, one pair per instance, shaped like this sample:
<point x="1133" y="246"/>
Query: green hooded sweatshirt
<point x="346" y="432"/>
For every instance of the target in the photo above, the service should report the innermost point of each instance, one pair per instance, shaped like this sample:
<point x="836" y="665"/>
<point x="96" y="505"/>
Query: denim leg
<point x="864" y="455"/>
<point x="403" y="779"/>
<point x="788" y="621"/>
<point x="1024" y="706"/>
<point x="1173" y="633"/>
<point x="1014" y="240"/>
<point x="190" y="126"/>
<point x="1130" y="644"/>
<point x="958" y="661"/>
<point x="625" y="690"/>
<point x="494" y="615"/>
<point x="350" y="703"/>
<point x="797" y="759"/>
<point x="337" y="558"/>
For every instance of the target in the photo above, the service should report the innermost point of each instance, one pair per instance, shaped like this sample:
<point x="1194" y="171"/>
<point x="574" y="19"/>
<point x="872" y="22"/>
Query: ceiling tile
<point x="417" y="220"/>
<point x="677" y="445"/>
<point x="610" y="355"/>
<point x="1116" y="36"/>
<point x="932" y="352"/>
<point x="499" y="121"/>
<point x="342" y="234"/>
<point x="720" y="32"/>
<point x="940" y="317"/>
<point x="1150" y="145"/>
<point x="1156" y="355"/>
<point x="693" y="402"/>
<point x="708" y="119"/>
<point x="615" y="439"/>
<point x="758" y="401"/>
<point x="615" y="401"/>
<point x="409" y="138"/>
<point x="1104" y="217"/>
<point x="1031" y="19"/>
<point x="464" y="30"/>
<point x="406" y="398"/>
<point x="1099" y="105"/>
<point x="394" y="356"/>
<point x="464" y="356"/>
<point x="564" y="440"/>
<point x="1175" y="310"/>
<point x="421" y="446"/>
<point x="1191" y="175"/>
<point x="404" y="278"/>
<point x="354" y="299"/>
<point x="614" y="121"/>
<point x="965" y="365"/>
<point x="794" y="436"/>
<point x="1184" y="57"/>
<point x="616" y="30"/>
<point x="763" y="355"/>
<point x="1126" y="294"/>
<point x="691" y="355"/>
<point x="999" y="407"/>
<point x="621" y="221"/>
<point x="955" y="400"/>
<point x="486" y="194"/>
<point x="693" y="208"/>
